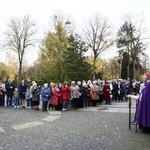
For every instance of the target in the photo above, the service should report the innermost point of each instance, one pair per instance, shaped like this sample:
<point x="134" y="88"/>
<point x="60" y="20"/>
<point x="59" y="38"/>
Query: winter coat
<point x="106" y="92"/>
<point x="95" y="92"/>
<point x="45" y="94"/>
<point x="75" y="92"/>
<point x="2" y="94"/>
<point x="35" y="93"/>
<point x="56" y="97"/>
<point x="27" y="95"/>
<point x="22" y="90"/>
<point x="9" y="89"/>
<point x="84" y="91"/>
<point x="16" y="95"/>
<point x="65" y="93"/>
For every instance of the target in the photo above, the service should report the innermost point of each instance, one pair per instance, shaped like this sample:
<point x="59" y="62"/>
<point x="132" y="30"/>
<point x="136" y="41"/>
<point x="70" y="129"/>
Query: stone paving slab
<point x="96" y="128"/>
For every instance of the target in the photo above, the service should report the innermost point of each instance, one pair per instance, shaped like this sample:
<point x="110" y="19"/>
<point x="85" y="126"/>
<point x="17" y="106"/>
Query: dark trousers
<point x="44" y="106"/>
<point x="115" y="96"/>
<point x="9" y="101"/>
<point x="75" y="103"/>
<point x="85" y="102"/>
<point x="2" y="101"/>
<point x="80" y="102"/>
<point x="94" y="102"/>
<point x="101" y="98"/>
<point x="28" y="103"/>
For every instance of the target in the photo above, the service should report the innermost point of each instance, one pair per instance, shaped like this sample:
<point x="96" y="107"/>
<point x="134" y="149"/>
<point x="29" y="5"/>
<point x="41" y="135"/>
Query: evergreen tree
<point x="75" y="65"/>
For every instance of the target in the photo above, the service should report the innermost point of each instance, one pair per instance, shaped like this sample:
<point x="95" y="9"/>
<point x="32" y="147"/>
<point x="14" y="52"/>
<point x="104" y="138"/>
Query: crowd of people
<point x="58" y="96"/>
<point x="62" y="96"/>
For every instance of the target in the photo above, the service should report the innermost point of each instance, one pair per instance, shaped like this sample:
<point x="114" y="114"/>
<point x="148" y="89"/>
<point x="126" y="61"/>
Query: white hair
<point x="45" y="85"/>
<point x="79" y="82"/>
<point x="84" y="84"/>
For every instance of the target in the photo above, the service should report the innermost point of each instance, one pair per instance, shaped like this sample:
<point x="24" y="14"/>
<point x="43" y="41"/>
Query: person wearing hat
<point x="142" y="114"/>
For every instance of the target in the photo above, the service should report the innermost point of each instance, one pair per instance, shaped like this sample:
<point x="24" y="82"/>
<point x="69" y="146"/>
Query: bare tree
<point x="98" y="37"/>
<point x="132" y="39"/>
<point x="19" y="37"/>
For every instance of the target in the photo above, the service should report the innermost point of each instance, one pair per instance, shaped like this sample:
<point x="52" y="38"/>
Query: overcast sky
<point x="79" y="10"/>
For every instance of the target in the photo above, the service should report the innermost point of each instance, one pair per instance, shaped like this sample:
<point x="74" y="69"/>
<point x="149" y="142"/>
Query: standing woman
<point x="45" y="95"/>
<point x="106" y="92"/>
<point x="95" y="93"/>
<point x="65" y="94"/>
<point x="50" y="101"/>
<point x="35" y="96"/>
<point x="22" y="90"/>
<point x="80" y="100"/>
<point x="85" y="94"/>
<point x="56" y="97"/>
<point x="74" y="89"/>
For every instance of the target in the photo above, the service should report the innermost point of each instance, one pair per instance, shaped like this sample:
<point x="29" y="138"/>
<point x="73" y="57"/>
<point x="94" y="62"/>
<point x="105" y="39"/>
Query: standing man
<point x="9" y="92"/>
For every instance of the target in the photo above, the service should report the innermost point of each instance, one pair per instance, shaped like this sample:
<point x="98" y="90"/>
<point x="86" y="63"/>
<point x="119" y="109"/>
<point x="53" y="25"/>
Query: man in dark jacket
<point x="9" y="92"/>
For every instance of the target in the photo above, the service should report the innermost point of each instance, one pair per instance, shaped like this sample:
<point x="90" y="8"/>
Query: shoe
<point x="63" y="109"/>
<point x="29" y="107"/>
<point x="15" y="106"/>
<point x="26" y="106"/>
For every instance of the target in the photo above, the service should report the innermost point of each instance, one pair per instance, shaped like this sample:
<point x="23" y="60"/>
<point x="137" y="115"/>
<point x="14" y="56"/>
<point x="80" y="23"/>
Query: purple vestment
<point x="142" y="115"/>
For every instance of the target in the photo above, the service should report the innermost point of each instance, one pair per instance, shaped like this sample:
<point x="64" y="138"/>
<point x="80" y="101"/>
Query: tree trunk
<point x="133" y="69"/>
<point x="128" y="69"/>
<point x="20" y="71"/>
<point x="94" y="68"/>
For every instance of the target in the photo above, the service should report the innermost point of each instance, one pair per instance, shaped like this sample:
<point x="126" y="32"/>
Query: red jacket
<point x="65" y="93"/>
<point x="106" y="92"/>
<point x="56" y="97"/>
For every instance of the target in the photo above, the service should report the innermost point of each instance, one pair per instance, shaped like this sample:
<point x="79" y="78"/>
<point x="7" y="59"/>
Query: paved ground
<point x="97" y="128"/>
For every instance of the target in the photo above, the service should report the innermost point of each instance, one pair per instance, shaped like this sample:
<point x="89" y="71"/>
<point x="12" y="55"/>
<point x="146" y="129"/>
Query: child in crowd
<point x="16" y="98"/>
<point x="27" y="96"/>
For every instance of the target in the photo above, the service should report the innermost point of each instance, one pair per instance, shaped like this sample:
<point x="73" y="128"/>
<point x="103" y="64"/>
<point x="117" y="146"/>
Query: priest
<point x="142" y="115"/>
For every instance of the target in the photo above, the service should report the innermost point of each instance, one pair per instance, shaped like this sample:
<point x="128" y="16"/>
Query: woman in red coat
<point x="65" y="95"/>
<point x="56" y="101"/>
<point x="106" y="93"/>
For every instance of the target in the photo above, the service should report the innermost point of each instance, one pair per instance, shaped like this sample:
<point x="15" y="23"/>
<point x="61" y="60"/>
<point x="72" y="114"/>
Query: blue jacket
<point x="45" y="94"/>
